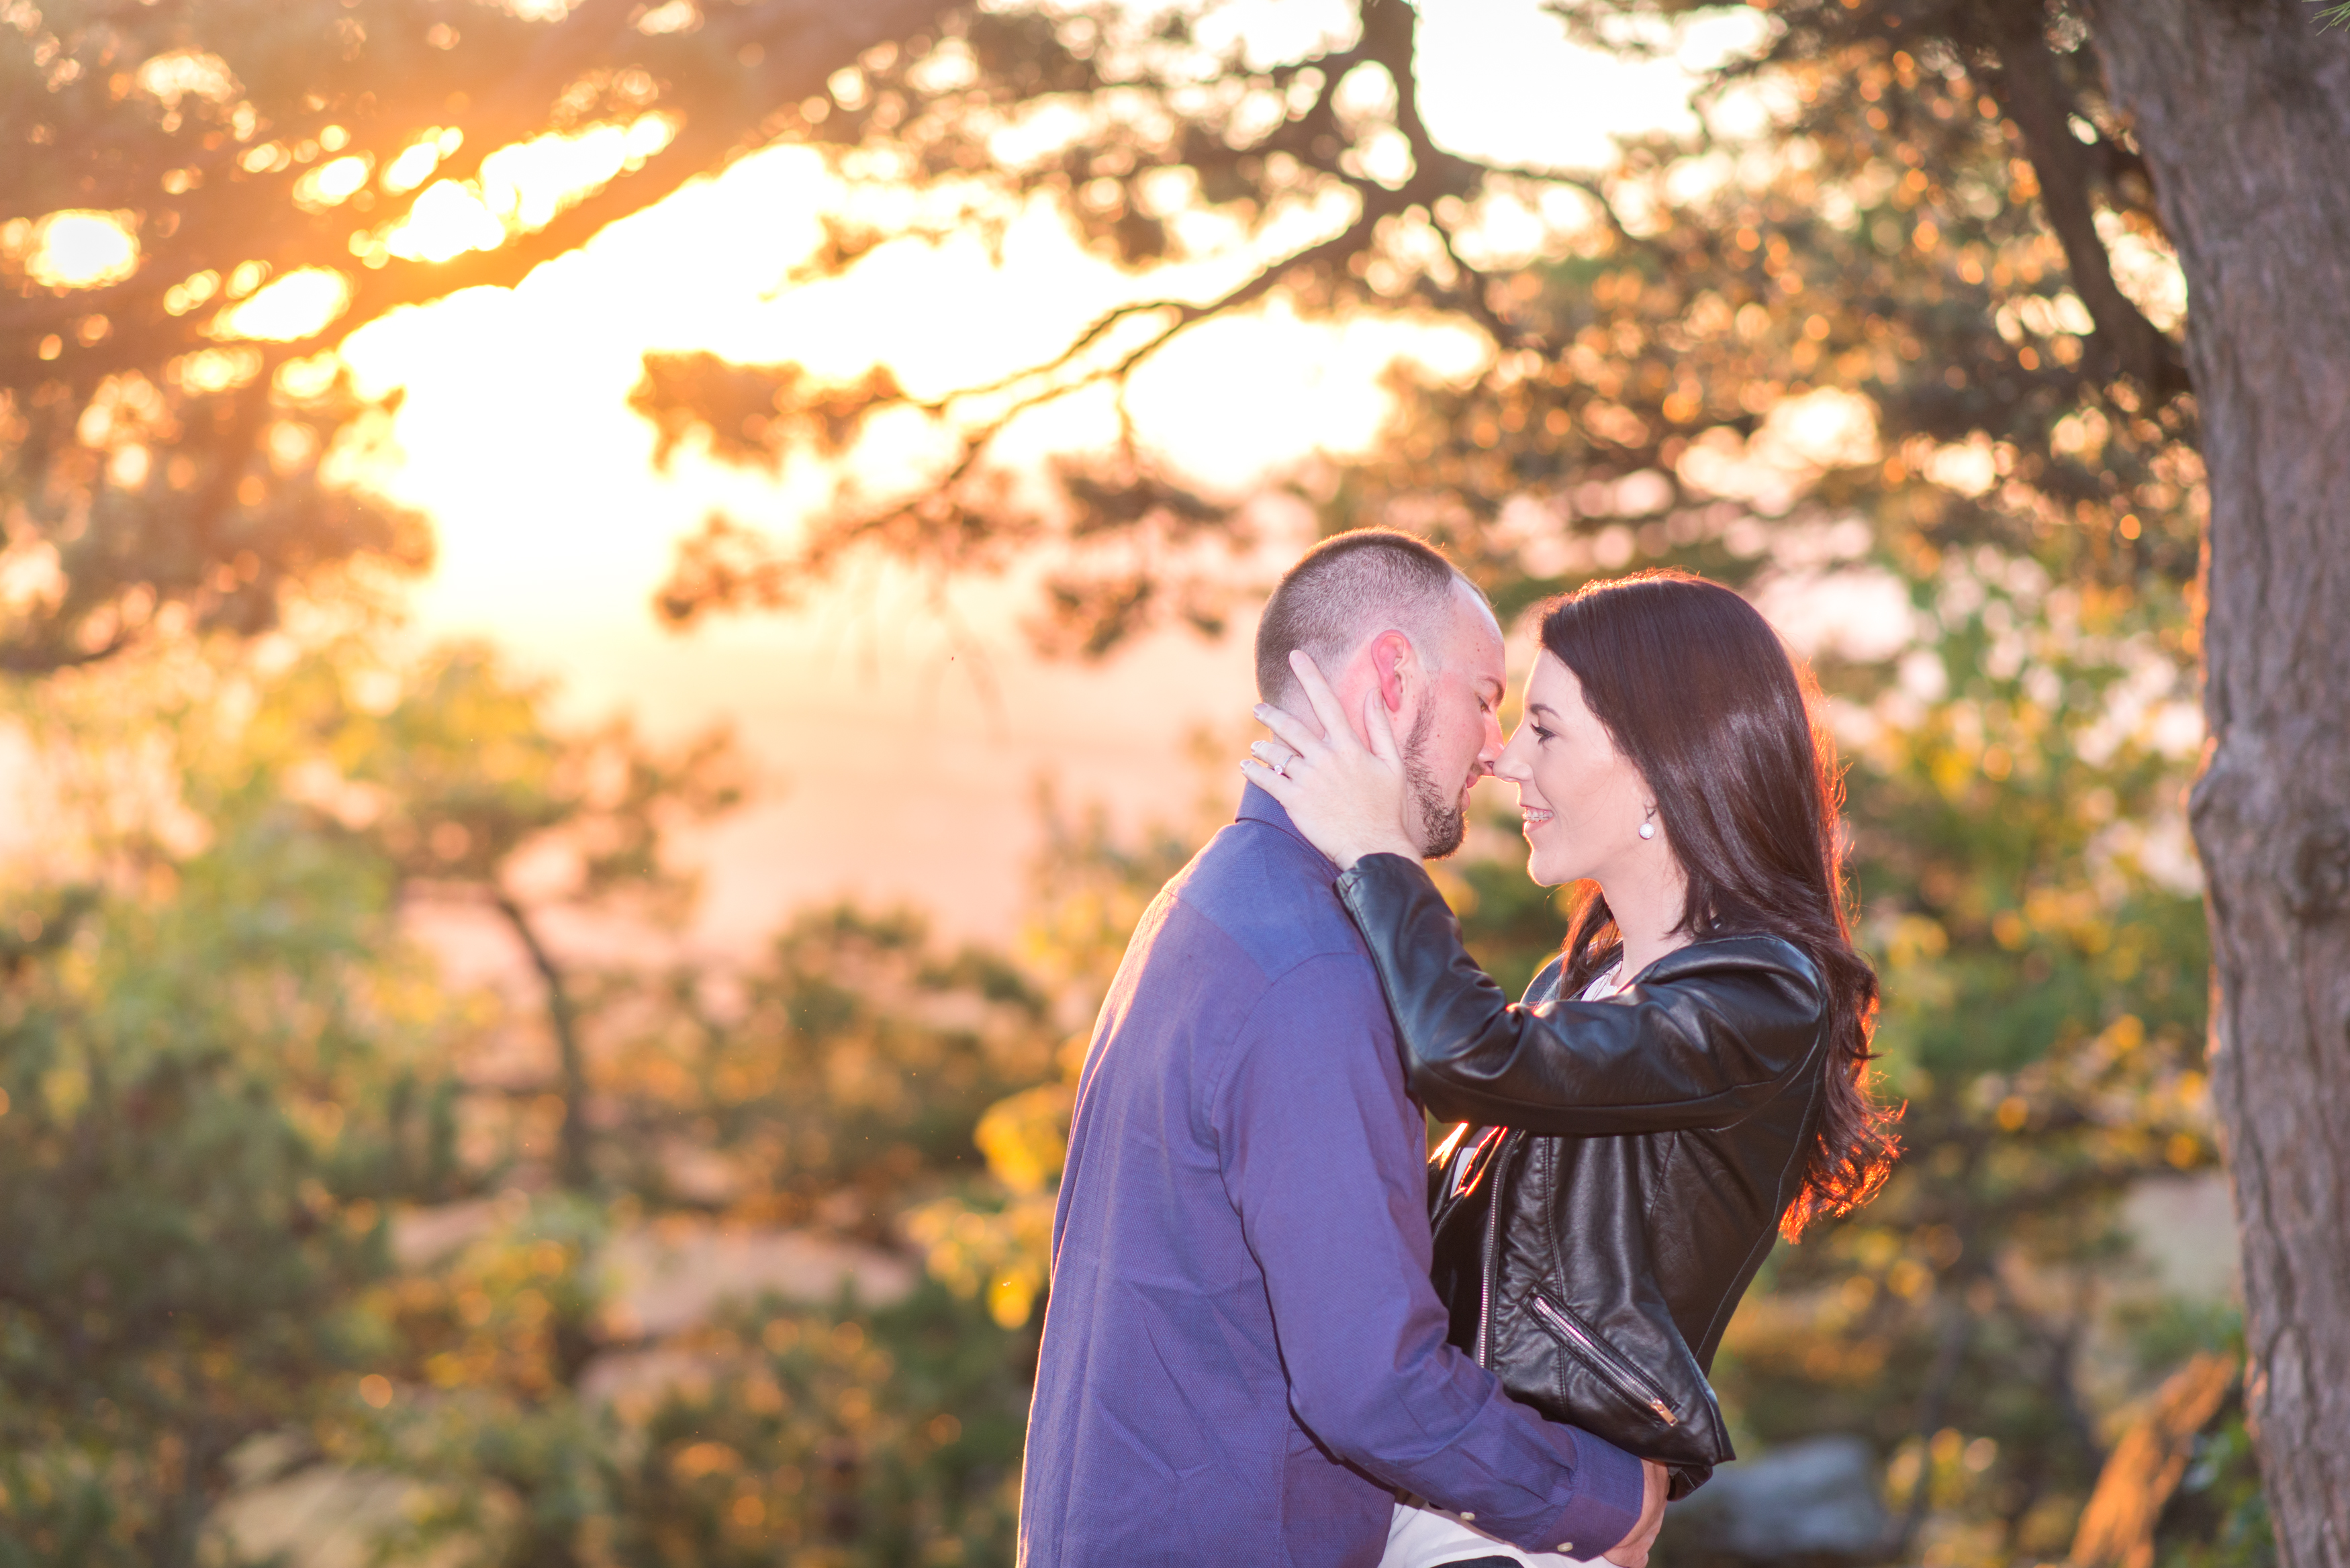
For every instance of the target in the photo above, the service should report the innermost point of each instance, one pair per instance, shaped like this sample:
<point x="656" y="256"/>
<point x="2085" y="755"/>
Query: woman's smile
<point x="1561" y="752"/>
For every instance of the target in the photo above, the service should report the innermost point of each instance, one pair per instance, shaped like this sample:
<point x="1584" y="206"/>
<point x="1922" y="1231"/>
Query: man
<point x="1243" y="1360"/>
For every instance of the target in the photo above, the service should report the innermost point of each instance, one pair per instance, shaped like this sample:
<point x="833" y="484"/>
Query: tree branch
<point x="802" y="43"/>
<point x="2042" y="107"/>
<point x="727" y="566"/>
<point x="1586" y="183"/>
<point x="1950" y="1357"/>
<point x="2062" y="1347"/>
<point x="572" y="1165"/>
<point x="1474" y="297"/>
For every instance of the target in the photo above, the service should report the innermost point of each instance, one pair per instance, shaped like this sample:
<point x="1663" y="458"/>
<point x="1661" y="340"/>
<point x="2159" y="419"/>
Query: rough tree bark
<point x="2241" y="108"/>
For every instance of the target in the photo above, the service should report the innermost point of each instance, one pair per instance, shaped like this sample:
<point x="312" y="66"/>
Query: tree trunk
<point x="2241" y="108"/>
<point x="574" y="1168"/>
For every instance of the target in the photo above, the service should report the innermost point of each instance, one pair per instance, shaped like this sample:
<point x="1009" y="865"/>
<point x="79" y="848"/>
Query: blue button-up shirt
<point x="1243" y="1358"/>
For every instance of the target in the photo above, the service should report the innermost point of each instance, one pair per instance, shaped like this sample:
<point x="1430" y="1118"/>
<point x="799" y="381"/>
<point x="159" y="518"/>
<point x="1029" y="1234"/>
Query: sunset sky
<point x="893" y="774"/>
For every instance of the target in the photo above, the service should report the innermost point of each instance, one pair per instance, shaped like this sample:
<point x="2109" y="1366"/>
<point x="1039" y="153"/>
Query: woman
<point x="1687" y="1079"/>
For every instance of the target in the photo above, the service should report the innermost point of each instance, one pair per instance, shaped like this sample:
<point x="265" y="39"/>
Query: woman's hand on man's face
<point x="1347" y="798"/>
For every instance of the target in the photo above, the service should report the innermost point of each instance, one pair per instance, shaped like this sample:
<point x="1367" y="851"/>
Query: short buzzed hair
<point x="1349" y="587"/>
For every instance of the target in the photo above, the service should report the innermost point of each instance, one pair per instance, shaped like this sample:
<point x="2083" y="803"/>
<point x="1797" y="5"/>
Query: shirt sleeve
<point x="1322" y="1160"/>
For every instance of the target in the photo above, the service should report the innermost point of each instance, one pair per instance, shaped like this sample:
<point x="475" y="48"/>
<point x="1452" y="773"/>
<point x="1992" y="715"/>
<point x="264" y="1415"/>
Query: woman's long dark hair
<point x="1700" y="694"/>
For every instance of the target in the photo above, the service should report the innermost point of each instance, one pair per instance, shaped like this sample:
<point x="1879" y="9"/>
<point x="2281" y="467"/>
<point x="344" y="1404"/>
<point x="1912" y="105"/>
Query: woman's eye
<point x="1540" y="733"/>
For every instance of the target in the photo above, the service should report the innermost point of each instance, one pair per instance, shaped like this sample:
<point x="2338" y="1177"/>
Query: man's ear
<point x="1394" y="666"/>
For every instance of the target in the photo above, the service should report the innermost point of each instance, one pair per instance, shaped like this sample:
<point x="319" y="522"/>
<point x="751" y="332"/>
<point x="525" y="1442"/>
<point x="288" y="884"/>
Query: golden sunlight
<point x="447" y="220"/>
<point x="81" y="249"/>
<point x="522" y="187"/>
<point x="294" y="307"/>
<point x="415" y="166"/>
<point x="529" y="182"/>
<point x="331" y="182"/>
<point x="176" y="73"/>
<point x="516" y="436"/>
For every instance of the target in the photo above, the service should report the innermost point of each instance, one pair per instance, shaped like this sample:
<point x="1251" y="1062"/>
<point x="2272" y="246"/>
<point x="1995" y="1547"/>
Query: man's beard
<point x="1443" y="822"/>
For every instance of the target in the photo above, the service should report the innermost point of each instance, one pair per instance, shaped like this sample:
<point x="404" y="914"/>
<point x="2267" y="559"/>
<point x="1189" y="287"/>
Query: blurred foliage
<point x="200" y="204"/>
<point x="1002" y="1250"/>
<point x="1872" y="206"/>
<point x="1845" y="351"/>
<point x="840" y="1433"/>
<point x="2218" y="1517"/>
<point x="283" y="1203"/>
<point x="219" y="1070"/>
<point x="456" y="787"/>
<point x="243" y="1107"/>
<point x="868" y="1438"/>
<point x="1884" y="342"/>
<point x="2030" y="903"/>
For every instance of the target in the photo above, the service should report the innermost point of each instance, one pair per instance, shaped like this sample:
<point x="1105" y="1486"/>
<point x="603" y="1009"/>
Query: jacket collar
<point x="1738" y="948"/>
<point x="1258" y="806"/>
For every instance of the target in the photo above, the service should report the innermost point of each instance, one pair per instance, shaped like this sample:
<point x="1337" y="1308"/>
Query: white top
<point x="1421" y="1535"/>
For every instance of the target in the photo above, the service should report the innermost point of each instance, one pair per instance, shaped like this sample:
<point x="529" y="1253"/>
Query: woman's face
<point x="1583" y="801"/>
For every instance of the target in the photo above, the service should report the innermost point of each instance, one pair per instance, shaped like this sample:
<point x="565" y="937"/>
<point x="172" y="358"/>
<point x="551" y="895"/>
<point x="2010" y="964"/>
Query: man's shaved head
<point x="1348" y="588"/>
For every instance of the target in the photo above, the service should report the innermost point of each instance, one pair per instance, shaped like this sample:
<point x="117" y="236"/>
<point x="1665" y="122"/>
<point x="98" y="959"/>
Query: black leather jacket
<point x="1592" y="1253"/>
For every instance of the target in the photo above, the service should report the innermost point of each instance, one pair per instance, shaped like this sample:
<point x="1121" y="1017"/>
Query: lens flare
<point x="81" y="249"/>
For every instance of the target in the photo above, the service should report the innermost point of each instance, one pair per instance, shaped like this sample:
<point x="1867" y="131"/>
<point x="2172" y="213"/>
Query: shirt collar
<point x="1256" y="805"/>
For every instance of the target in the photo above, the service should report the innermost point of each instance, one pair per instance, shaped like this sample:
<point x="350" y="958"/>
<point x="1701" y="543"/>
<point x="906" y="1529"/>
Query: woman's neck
<point x="1647" y="907"/>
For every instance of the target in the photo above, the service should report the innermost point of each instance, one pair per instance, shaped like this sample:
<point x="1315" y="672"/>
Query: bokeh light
<point x="81" y="249"/>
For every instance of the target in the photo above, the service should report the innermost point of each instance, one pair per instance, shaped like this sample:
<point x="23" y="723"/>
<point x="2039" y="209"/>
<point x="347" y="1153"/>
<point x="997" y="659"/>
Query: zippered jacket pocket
<point x="1613" y="1369"/>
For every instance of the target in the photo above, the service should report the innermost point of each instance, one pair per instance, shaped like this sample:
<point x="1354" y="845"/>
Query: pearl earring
<point x="1648" y="824"/>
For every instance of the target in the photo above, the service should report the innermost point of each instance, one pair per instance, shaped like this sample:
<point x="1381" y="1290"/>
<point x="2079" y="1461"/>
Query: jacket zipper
<point x="1604" y="1360"/>
<point x="1492" y="1256"/>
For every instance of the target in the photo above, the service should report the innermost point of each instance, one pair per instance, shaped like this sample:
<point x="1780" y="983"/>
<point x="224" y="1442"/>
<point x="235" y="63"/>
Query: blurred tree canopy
<point x="1902" y="313"/>
<point x="1889" y="222"/>
<point x="1909" y="303"/>
<point x="1901" y="319"/>
<point x="289" y="1210"/>
<point x="200" y="202"/>
<point x="241" y="1105"/>
<point x="462" y="781"/>
<point x="218" y="1073"/>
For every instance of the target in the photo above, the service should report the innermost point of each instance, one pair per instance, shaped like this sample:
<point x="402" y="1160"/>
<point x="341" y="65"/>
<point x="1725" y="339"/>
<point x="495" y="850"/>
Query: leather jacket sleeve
<point x="1705" y="1037"/>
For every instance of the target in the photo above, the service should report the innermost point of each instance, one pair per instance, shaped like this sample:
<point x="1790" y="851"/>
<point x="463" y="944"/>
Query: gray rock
<point x="1813" y="1501"/>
